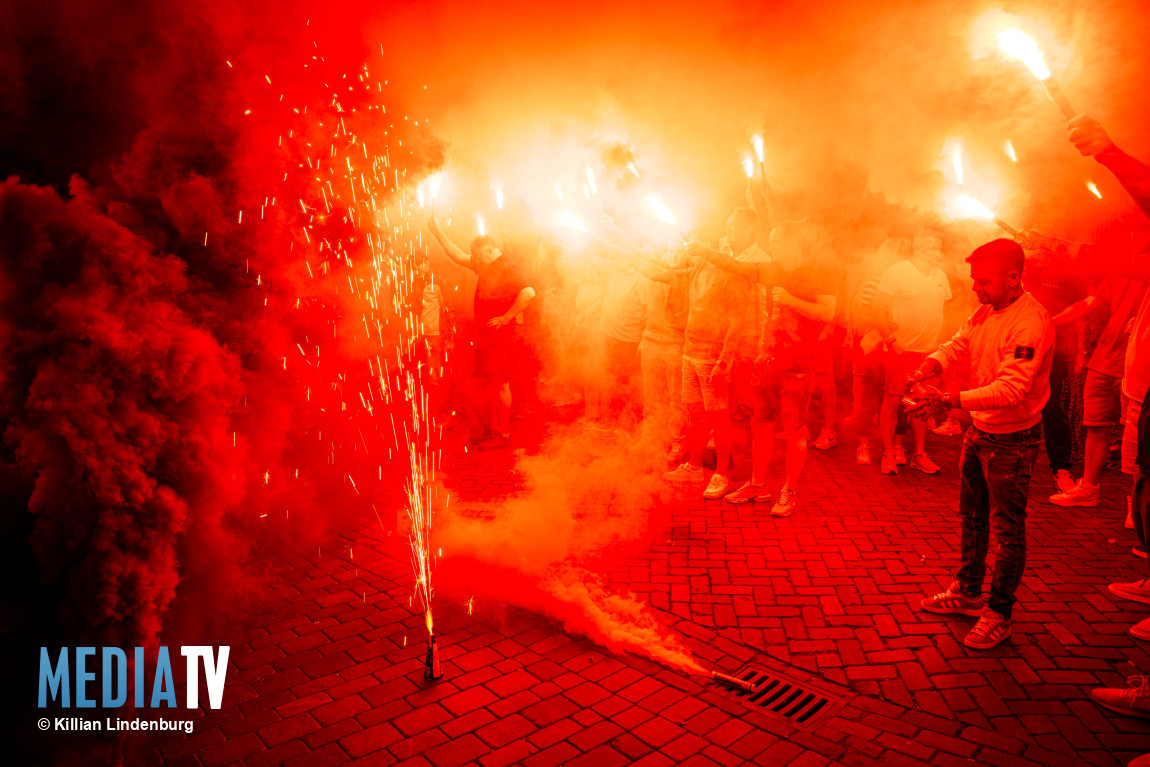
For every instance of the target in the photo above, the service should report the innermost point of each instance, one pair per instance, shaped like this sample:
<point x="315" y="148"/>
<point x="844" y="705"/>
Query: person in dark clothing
<point x="501" y="295"/>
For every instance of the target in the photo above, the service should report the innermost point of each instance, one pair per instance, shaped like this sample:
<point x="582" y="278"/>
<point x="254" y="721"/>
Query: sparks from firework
<point x="419" y="513"/>
<point x="1094" y="189"/>
<point x="1008" y="147"/>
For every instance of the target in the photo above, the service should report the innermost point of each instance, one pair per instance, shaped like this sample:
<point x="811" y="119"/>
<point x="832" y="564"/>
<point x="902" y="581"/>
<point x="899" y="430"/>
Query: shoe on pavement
<point x="1138" y="591"/>
<point x="1131" y="701"/>
<point x="949" y="428"/>
<point x="1141" y="630"/>
<point x="748" y="492"/>
<point x="1081" y="494"/>
<point x="1138" y="551"/>
<point x="826" y="440"/>
<point x="686" y="473"/>
<point x="887" y="464"/>
<point x="952" y="602"/>
<point x="786" y="503"/>
<point x="495" y="442"/>
<point x="901" y="456"/>
<point x="923" y="463"/>
<point x="717" y="487"/>
<point x="862" y="455"/>
<point x="990" y="631"/>
<point x="1064" y="480"/>
<point x="678" y="453"/>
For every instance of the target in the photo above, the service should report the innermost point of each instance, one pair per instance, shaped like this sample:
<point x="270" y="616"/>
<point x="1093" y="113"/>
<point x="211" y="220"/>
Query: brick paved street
<point x="826" y="599"/>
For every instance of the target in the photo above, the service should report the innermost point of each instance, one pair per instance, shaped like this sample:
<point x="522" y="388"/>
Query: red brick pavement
<point x="827" y="597"/>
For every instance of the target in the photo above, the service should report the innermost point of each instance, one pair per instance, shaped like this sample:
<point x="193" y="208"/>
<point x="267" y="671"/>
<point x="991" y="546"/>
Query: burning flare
<point x="1009" y="149"/>
<point x="748" y="166"/>
<point x="498" y="196"/>
<point x="480" y="223"/>
<point x="419" y="512"/>
<point x="972" y="208"/>
<point x="659" y="209"/>
<point x="757" y="140"/>
<point x="567" y="219"/>
<point x="1018" y="44"/>
<point x="591" y="181"/>
<point x="435" y="181"/>
<point x="1094" y="189"/>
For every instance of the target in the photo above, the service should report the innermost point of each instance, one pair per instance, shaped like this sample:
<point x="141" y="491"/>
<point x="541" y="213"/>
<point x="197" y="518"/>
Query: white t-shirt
<point x="916" y="302"/>
<point x="623" y="307"/>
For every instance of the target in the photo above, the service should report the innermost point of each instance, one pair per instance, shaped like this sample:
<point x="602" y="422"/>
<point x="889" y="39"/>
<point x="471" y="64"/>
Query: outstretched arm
<point x="748" y="271"/>
<point x="1091" y="139"/>
<point x="453" y="251"/>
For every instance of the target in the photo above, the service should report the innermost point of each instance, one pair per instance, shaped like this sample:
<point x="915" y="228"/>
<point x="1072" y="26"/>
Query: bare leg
<point x="762" y="450"/>
<point x="1097" y="451"/>
<point x="796" y="458"/>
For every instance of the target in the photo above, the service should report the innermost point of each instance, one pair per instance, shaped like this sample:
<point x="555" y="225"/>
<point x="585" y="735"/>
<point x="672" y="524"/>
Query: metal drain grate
<point x="784" y="698"/>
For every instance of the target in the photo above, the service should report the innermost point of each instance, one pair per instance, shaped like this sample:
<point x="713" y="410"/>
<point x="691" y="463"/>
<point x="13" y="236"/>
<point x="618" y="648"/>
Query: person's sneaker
<point x="748" y="492"/>
<point x="1141" y="630"/>
<point x="1138" y="551"/>
<point x="678" y="452"/>
<point x="686" y="473"/>
<point x="901" y="456"/>
<point x="949" y="428"/>
<point x="990" y="631"/>
<point x="786" y="503"/>
<point x="717" y="487"/>
<point x="826" y="440"/>
<point x="1138" y="591"/>
<point x="1064" y="480"/>
<point x="923" y="463"/>
<point x="1130" y="701"/>
<point x="887" y="465"/>
<point x="495" y="442"/>
<point x="862" y="455"/>
<point x="1081" y="494"/>
<point x="851" y="419"/>
<point x="952" y="602"/>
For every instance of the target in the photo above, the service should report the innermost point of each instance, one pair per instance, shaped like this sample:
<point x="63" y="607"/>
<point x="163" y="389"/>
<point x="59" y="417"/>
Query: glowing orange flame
<point x="659" y="209"/>
<point x="567" y="219"/>
<point x="480" y="223"/>
<point x="748" y="166"/>
<point x="631" y="167"/>
<point x="591" y="181"/>
<point x="757" y="140"/>
<point x="1009" y="148"/>
<point x="499" y="197"/>
<point x="1018" y="44"/>
<point x="1094" y="189"/>
<point x="956" y="160"/>
<point x="969" y="207"/>
<point x="435" y="181"/>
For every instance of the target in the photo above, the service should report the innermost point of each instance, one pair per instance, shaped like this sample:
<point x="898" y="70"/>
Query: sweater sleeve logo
<point x="1024" y="352"/>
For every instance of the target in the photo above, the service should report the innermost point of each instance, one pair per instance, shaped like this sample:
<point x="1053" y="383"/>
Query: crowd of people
<point x="729" y="342"/>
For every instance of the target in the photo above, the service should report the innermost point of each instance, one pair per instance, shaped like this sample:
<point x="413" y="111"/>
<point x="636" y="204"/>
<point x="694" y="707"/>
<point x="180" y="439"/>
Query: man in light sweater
<point x="1009" y="341"/>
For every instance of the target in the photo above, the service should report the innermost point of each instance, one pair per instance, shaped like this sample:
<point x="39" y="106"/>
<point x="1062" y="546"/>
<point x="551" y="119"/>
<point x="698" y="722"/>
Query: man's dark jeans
<point x="996" y="470"/>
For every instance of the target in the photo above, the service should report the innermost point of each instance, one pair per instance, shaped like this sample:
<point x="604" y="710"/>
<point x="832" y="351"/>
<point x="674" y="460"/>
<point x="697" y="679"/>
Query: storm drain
<point x="784" y="698"/>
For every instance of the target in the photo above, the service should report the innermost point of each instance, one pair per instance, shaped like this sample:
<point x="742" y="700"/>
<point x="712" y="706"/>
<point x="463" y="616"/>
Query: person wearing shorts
<point x="912" y="295"/>
<point x="720" y="320"/>
<point x="803" y="300"/>
<point x="1103" y="400"/>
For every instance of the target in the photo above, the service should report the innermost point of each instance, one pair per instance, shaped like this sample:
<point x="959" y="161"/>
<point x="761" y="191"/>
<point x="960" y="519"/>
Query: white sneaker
<point x="786" y="503"/>
<point x="717" y="487"/>
<point x="686" y="473"/>
<point x="1064" y="480"/>
<point x="1079" y="495"/>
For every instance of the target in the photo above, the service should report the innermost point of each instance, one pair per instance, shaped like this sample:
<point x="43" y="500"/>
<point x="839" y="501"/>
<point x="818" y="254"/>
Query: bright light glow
<point x="567" y="219"/>
<point x="757" y="140"/>
<point x="968" y="207"/>
<point x="1010" y="151"/>
<point x="1094" y="189"/>
<point x="559" y="192"/>
<point x="631" y="167"/>
<point x="480" y="224"/>
<point x="956" y="160"/>
<point x="659" y="209"/>
<point x="591" y="181"/>
<point x="498" y="196"/>
<point x="435" y="181"/>
<point x="419" y="194"/>
<point x="748" y="166"/>
<point x="1019" y="45"/>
